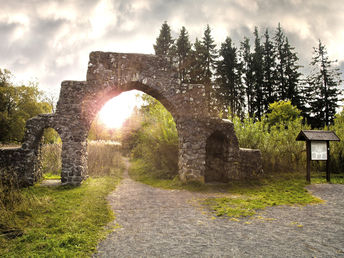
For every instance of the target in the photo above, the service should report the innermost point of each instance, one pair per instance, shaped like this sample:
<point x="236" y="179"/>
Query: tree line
<point x="245" y="80"/>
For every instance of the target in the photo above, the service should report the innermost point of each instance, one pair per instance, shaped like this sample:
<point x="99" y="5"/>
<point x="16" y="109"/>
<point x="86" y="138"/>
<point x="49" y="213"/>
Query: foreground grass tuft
<point x="248" y="197"/>
<point x="57" y="221"/>
<point x="245" y="197"/>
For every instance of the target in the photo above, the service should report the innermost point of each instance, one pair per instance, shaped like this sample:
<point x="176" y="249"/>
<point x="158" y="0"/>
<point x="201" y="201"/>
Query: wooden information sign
<point x="317" y="148"/>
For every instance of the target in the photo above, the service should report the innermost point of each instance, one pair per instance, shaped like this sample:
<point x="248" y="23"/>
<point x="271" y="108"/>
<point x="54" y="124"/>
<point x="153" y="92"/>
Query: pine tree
<point x="247" y="74"/>
<point x="269" y="70"/>
<point x="229" y="79"/>
<point x="258" y="76"/>
<point x="183" y="51"/>
<point x="164" y="43"/>
<point x="323" y="82"/>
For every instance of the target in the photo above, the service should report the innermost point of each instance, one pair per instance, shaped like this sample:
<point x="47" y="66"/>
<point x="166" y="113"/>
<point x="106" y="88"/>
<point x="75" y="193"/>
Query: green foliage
<point x="282" y="113"/>
<point x="17" y="105"/>
<point x="337" y="148"/>
<point x="275" y="137"/>
<point x="156" y="142"/>
<point x="56" y="221"/>
<point x="248" y="197"/>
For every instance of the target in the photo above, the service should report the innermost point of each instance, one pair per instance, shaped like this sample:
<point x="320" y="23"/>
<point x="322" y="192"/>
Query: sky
<point x="49" y="41"/>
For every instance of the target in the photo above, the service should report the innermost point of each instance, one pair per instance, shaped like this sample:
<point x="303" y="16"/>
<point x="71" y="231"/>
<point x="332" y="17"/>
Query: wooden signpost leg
<point x="308" y="150"/>
<point x="328" y="177"/>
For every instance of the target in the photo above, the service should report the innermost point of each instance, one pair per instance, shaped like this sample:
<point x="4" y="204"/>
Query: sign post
<point x="317" y="148"/>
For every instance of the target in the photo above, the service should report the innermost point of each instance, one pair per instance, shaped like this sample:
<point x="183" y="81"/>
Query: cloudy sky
<point x="49" y="41"/>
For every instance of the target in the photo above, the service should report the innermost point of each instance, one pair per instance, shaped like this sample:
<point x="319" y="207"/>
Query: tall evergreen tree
<point x="228" y="73"/>
<point x="279" y="42"/>
<point x="247" y="74"/>
<point x="292" y="76"/>
<point x="197" y="62"/>
<point x="183" y="50"/>
<point x="164" y="43"/>
<point x="209" y="55"/>
<point x="269" y="71"/>
<point x="209" y="60"/>
<point x="324" y="82"/>
<point x="258" y="76"/>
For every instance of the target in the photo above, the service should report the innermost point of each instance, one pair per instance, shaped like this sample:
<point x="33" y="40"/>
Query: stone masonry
<point x="208" y="146"/>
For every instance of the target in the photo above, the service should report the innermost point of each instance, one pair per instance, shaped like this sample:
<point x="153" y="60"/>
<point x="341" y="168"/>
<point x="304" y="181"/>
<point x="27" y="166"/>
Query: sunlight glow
<point x="118" y="109"/>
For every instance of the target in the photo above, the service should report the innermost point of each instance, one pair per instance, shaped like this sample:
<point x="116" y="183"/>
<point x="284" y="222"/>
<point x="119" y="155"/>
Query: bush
<point x="156" y="142"/>
<point x="275" y="138"/>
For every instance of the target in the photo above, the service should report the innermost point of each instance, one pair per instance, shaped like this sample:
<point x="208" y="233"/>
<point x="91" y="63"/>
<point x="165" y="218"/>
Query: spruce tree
<point x="292" y="76"/>
<point x="230" y="89"/>
<point x="196" y="62"/>
<point x="247" y="74"/>
<point x="269" y="70"/>
<point x="258" y="76"/>
<point x="183" y="51"/>
<point x="279" y="42"/>
<point x="164" y="43"/>
<point x="208" y="60"/>
<point x="323" y="83"/>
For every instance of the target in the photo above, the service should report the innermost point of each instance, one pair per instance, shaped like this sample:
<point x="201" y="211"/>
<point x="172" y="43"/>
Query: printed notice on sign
<point x="319" y="150"/>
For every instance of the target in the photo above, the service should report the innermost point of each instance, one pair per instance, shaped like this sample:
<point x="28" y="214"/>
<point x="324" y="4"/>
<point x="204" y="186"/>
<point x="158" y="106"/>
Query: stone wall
<point x="110" y="74"/>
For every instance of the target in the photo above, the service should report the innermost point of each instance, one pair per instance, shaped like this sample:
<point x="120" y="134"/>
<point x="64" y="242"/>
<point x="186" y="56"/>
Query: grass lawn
<point x="57" y="221"/>
<point x="245" y="197"/>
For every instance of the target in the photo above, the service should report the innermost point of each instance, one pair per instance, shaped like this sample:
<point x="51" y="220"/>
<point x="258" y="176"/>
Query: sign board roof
<point x="315" y="135"/>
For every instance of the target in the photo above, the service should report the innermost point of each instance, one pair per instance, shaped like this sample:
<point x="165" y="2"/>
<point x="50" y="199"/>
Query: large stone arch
<point x="110" y="74"/>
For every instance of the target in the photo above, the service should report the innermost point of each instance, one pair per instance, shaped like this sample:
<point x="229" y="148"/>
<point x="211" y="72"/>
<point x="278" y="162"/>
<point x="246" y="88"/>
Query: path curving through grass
<point x="156" y="222"/>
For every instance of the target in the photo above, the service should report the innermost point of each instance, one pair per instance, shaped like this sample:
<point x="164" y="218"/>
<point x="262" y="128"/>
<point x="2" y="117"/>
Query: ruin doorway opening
<point x="217" y="147"/>
<point x="50" y="151"/>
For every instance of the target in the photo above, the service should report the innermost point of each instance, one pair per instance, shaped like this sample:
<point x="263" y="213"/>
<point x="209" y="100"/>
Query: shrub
<point x="156" y="142"/>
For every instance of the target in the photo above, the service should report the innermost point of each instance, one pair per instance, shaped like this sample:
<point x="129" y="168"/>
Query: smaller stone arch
<point x="217" y="150"/>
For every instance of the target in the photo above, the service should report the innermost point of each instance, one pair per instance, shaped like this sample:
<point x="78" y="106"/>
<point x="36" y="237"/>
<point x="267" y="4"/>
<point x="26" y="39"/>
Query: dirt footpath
<point x="167" y="223"/>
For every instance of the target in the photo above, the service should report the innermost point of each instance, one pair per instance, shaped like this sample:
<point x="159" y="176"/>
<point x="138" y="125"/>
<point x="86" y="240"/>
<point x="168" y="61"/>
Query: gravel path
<point x="169" y="223"/>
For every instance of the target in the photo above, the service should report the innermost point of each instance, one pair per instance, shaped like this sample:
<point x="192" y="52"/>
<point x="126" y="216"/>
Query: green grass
<point x="248" y="197"/>
<point x="51" y="176"/>
<point x="320" y="178"/>
<point x="58" y="221"/>
<point x="244" y="198"/>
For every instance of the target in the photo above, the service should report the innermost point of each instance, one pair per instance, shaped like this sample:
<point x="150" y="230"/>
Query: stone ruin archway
<point x="108" y="75"/>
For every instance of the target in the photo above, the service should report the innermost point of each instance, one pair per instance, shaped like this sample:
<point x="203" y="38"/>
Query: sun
<point x="117" y="110"/>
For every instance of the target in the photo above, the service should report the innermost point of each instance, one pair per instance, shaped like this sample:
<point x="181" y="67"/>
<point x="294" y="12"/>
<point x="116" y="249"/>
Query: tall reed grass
<point x="104" y="158"/>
